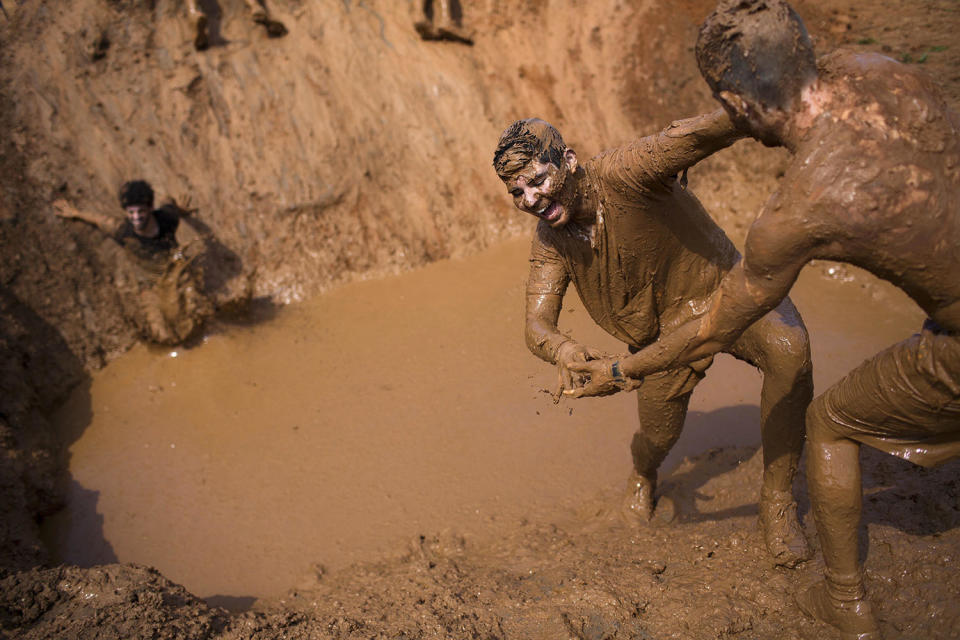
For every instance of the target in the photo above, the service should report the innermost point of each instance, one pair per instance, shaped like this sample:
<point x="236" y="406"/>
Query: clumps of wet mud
<point x="586" y="576"/>
<point x="114" y="601"/>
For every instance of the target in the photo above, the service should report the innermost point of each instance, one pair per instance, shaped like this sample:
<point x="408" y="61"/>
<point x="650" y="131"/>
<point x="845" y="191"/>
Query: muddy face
<point x="139" y="216"/>
<point x="544" y="190"/>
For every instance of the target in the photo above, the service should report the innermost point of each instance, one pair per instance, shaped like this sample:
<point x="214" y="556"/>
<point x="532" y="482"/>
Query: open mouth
<point x="549" y="212"/>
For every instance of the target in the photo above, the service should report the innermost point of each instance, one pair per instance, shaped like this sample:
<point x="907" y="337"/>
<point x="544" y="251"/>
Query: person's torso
<point x="652" y="259"/>
<point x="150" y="254"/>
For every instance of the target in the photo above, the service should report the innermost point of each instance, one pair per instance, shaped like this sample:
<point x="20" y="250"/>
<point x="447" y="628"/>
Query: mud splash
<point x="347" y="426"/>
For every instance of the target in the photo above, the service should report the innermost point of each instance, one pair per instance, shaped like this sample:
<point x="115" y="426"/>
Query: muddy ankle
<point x="781" y="529"/>
<point x="852" y="617"/>
<point x="638" y="501"/>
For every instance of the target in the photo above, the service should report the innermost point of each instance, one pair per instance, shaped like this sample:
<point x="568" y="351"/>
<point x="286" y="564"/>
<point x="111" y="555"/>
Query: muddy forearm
<point x="105" y="223"/>
<point x="679" y="347"/>
<point x="542" y="335"/>
<point x="686" y="142"/>
<point x="737" y="304"/>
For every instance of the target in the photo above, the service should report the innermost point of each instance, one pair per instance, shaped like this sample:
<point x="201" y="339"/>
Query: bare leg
<point x="448" y="28"/>
<point x="445" y="18"/>
<point x="199" y="21"/>
<point x="833" y="475"/>
<point x="661" y="421"/>
<point x="779" y="346"/>
<point x="443" y="26"/>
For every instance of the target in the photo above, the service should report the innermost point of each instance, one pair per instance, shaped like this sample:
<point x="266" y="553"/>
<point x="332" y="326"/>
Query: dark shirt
<point x="151" y="254"/>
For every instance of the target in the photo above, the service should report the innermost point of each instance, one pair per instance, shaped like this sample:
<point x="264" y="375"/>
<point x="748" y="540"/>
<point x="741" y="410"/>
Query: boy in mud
<point x="875" y="181"/>
<point x="644" y="256"/>
<point x="171" y="305"/>
<point x="258" y="13"/>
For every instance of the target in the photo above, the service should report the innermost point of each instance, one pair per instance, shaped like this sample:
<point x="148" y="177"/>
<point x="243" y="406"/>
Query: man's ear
<point x="570" y="158"/>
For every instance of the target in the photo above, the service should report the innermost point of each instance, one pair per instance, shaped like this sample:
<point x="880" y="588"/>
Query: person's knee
<point x="787" y="355"/>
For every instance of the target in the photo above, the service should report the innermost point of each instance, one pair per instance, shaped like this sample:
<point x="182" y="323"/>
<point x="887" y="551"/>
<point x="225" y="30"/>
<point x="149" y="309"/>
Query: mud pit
<point x="235" y="465"/>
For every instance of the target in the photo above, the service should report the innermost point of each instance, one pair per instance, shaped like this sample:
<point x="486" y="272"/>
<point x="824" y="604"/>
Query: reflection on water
<point x="347" y="425"/>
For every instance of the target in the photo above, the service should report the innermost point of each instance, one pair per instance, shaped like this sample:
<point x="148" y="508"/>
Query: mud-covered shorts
<point x="904" y="401"/>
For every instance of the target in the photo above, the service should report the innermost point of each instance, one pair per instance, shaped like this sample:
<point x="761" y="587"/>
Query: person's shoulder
<point x="877" y="77"/>
<point x="850" y="62"/>
<point x="167" y="217"/>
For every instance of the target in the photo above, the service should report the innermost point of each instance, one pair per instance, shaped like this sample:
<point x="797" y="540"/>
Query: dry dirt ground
<point x="351" y="148"/>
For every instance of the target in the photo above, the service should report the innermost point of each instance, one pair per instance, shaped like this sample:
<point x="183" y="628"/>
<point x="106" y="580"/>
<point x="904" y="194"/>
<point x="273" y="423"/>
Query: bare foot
<point x="854" y="618"/>
<point x="781" y="529"/>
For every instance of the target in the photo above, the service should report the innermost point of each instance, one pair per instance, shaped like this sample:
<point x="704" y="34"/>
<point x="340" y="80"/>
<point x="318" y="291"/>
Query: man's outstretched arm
<point x="105" y="223"/>
<point x="686" y="142"/>
<point x="749" y="290"/>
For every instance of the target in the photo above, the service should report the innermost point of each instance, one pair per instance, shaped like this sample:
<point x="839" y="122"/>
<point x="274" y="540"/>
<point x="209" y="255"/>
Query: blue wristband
<point x="615" y="371"/>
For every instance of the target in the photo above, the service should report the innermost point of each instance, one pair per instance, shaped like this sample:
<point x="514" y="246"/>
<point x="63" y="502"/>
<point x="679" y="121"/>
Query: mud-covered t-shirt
<point x="653" y="255"/>
<point x="151" y="254"/>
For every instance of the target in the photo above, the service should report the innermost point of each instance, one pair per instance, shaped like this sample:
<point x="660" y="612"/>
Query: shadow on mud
<point x="897" y="493"/>
<point x="233" y="604"/>
<point x="37" y="371"/>
<point x="910" y="498"/>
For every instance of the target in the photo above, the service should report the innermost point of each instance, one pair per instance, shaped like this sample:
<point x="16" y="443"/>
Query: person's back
<point x="869" y="180"/>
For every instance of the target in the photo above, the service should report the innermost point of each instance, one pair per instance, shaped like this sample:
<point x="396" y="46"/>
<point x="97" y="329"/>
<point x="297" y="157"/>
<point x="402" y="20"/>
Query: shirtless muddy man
<point x="645" y="256"/>
<point x="875" y="181"/>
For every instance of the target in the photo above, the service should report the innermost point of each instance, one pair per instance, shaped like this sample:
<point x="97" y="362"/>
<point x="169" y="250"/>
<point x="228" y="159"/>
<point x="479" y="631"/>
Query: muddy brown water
<point x="348" y="425"/>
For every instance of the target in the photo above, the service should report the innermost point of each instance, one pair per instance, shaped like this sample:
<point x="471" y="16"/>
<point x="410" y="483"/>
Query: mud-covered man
<point x="644" y="255"/>
<point x="875" y="181"/>
<point x="171" y="305"/>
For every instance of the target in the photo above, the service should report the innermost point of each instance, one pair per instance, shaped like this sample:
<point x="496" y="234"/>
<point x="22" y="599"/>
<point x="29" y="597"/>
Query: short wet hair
<point x="525" y="141"/>
<point x="136" y="192"/>
<point x="756" y="49"/>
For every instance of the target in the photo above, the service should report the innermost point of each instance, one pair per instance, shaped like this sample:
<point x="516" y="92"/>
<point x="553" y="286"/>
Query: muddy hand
<point x="569" y="353"/>
<point x="185" y="204"/>
<point x="603" y="378"/>
<point x="63" y="209"/>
